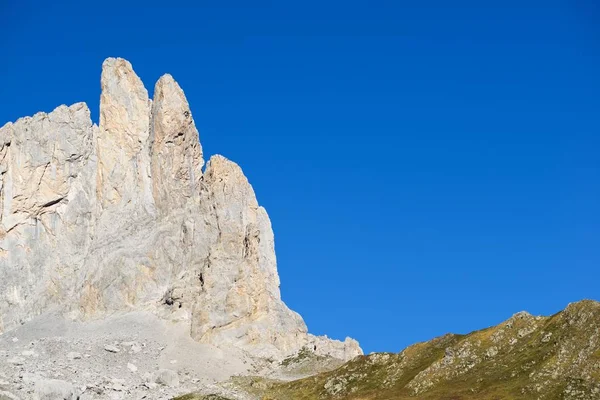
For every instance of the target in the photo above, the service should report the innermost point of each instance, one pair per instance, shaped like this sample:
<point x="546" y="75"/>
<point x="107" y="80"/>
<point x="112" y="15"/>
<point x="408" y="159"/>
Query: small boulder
<point x="112" y="349"/>
<point x="136" y="348"/>
<point x="166" y="377"/>
<point x="150" y="385"/>
<point x="73" y="355"/>
<point x="117" y="385"/>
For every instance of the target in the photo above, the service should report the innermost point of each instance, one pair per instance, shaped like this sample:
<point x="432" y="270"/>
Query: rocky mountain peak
<point x="121" y="217"/>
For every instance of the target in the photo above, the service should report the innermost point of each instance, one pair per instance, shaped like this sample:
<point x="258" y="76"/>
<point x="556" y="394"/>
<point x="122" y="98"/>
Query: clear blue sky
<point x="428" y="168"/>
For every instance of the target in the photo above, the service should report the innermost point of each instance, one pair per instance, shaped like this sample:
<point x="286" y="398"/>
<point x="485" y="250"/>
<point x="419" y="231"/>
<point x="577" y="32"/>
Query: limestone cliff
<point x="121" y="216"/>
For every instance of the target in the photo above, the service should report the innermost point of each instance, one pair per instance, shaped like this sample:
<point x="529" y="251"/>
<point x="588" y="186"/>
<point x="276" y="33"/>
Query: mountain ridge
<point x="524" y="357"/>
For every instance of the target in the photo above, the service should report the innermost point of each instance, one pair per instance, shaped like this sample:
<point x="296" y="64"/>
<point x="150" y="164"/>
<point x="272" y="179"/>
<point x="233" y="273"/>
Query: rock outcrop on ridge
<point x="122" y="216"/>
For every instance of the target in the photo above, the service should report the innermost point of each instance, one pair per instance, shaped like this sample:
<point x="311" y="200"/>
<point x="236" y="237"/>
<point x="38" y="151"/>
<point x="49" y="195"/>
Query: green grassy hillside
<point x="525" y="357"/>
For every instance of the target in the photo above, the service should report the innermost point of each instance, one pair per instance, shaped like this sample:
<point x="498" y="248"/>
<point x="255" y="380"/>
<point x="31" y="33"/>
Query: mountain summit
<point x="125" y="216"/>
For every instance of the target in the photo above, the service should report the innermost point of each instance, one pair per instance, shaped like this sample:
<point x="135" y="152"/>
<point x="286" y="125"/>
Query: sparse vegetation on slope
<point x="525" y="357"/>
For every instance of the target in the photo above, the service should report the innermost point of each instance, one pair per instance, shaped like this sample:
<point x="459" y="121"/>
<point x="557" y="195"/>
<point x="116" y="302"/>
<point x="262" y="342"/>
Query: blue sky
<point x="427" y="168"/>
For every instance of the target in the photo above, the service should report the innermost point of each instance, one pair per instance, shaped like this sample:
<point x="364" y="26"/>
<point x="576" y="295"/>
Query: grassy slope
<point x="525" y="357"/>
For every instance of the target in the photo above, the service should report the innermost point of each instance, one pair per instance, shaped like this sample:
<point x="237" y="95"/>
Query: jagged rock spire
<point x="122" y="142"/>
<point x="176" y="151"/>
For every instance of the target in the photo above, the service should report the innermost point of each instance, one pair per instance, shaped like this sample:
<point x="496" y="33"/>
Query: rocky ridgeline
<point x="525" y="357"/>
<point x="124" y="216"/>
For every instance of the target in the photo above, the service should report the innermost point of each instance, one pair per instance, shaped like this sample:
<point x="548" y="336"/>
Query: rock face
<point x="121" y="216"/>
